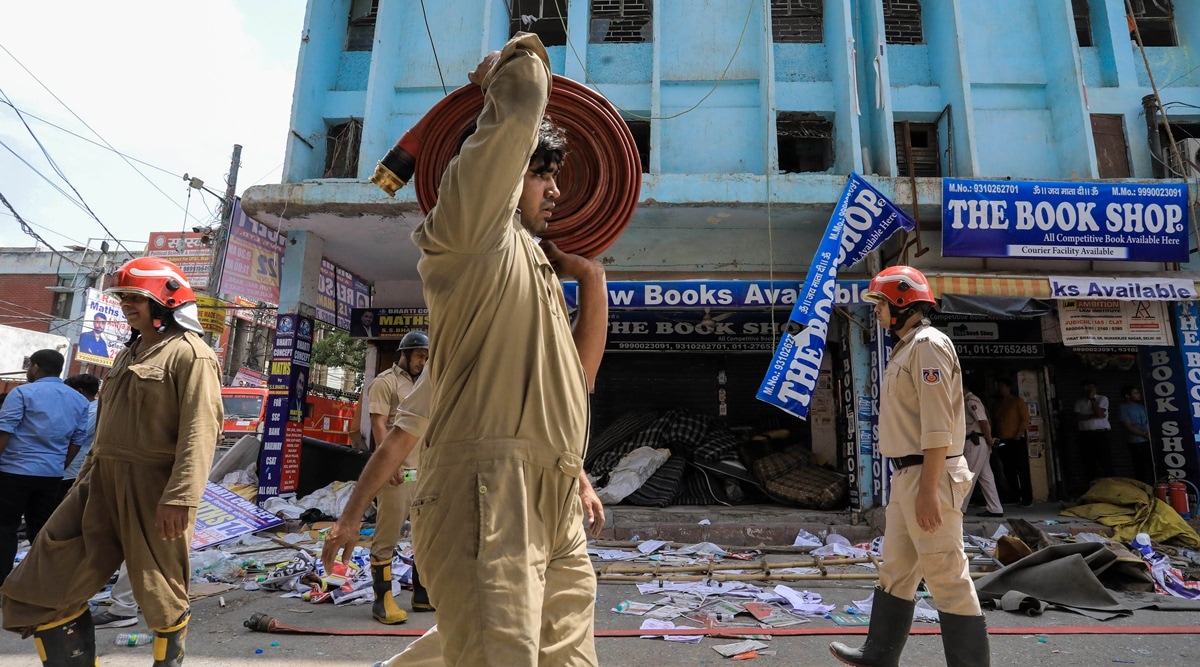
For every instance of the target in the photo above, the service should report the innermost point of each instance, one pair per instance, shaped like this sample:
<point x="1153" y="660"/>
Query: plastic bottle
<point x="1142" y="542"/>
<point x="134" y="638"/>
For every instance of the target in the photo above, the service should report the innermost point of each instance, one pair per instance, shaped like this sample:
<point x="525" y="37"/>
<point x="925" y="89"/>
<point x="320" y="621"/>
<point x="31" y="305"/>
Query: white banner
<point x="1113" y="322"/>
<point x="104" y="330"/>
<point x="1132" y="288"/>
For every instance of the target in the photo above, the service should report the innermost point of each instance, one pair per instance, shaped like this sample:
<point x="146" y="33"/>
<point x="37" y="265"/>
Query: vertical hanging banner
<point x="1181" y="448"/>
<point x="862" y="221"/>
<point x="104" y="331"/>
<point x="253" y="259"/>
<point x="1170" y="413"/>
<point x="327" y="305"/>
<point x="287" y="390"/>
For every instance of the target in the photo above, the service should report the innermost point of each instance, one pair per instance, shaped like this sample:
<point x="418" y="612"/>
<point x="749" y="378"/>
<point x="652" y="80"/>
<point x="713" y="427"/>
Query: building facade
<point x="749" y="115"/>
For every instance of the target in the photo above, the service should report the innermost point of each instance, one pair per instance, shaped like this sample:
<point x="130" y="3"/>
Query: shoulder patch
<point x="931" y="375"/>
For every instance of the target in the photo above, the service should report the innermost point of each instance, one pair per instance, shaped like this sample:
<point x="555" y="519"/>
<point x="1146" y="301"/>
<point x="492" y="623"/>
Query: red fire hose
<point x="260" y="622"/>
<point x="600" y="181"/>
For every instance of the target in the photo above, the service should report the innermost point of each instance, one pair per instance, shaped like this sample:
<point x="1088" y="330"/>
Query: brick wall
<point x="623" y="21"/>
<point x="25" y="302"/>
<point x="797" y="21"/>
<point x="902" y="22"/>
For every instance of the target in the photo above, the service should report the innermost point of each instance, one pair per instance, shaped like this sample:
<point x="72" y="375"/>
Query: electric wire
<point x="433" y="46"/>
<point x="98" y="135"/>
<point x="29" y="230"/>
<point x="48" y="229"/>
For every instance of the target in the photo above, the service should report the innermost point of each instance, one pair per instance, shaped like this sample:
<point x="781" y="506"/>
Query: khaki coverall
<point x="157" y="428"/>
<point x="497" y="522"/>
<point x="921" y="408"/>
<point x="383" y="398"/>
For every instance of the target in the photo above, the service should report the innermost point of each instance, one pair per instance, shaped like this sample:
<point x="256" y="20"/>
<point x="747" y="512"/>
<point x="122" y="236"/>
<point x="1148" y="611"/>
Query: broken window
<point x="341" y="150"/>
<point x="640" y="129"/>
<point x="1155" y="21"/>
<point x="805" y="142"/>
<point x="1083" y="22"/>
<point x="545" y="18"/>
<point x="797" y="21"/>
<point x="621" y="21"/>
<point x="1112" y="150"/>
<point x="902" y="22"/>
<point x="925" y="156"/>
<point x="360" y="35"/>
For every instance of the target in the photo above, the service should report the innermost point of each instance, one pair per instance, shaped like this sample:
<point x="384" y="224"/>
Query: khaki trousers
<point x="498" y="533"/>
<point x="910" y="554"/>
<point x="393" y="506"/>
<point x="107" y="517"/>
<point x="426" y="651"/>
<point x="979" y="461"/>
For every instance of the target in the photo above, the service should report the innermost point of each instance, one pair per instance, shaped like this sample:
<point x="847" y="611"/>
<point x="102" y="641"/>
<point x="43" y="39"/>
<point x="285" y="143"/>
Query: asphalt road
<point x="217" y="638"/>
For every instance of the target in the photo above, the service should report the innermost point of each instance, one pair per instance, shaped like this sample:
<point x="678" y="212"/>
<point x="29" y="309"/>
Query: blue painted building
<point x="749" y="114"/>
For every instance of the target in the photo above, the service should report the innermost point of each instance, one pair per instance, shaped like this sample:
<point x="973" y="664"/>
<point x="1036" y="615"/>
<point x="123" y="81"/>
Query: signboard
<point x="222" y="515"/>
<point x="327" y="293"/>
<point x="187" y="250"/>
<point x="700" y="294"/>
<point x="287" y="389"/>
<point x="351" y="293"/>
<point x="1113" y="322"/>
<point x="1128" y="288"/>
<point x="1171" y="413"/>
<point x="247" y="377"/>
<point x="992" y="339"/>
<point x="862" y="221"/>
<point x="249" y="311"/>
<point x="1049" y="220"/>
<point x="212" y="314"/>
<point x="1174" y="449"/>
<point x="691" y="331"/>
<point x="387" y="323"/>
<point x="253" y="259"/>
<point x="104" y="330"/>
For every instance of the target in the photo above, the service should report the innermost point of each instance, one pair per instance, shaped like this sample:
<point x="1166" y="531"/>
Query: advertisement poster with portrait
<point x="104" y="330"/>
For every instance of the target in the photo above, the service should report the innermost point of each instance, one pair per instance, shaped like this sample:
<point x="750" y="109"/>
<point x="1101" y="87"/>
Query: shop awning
<point x="994" y="306"/>
<point x="1019" y="286"/>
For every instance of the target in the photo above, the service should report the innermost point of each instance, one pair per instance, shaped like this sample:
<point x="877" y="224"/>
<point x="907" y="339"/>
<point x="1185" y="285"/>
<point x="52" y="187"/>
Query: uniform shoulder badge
<point x="931" y="375"/>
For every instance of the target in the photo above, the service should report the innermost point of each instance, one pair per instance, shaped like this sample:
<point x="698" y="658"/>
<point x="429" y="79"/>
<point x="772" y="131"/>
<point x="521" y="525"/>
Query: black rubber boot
<point x="965" y="640"/>
<point x="420" y="598"/>
<point x="891" y="620"/>
<point x="385" y="610"/>
<point x="168" y="643"/>
<point x="67" y="643"/>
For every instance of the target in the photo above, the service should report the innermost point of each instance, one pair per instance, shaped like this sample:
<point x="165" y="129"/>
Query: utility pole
<point x="235" y="347"/>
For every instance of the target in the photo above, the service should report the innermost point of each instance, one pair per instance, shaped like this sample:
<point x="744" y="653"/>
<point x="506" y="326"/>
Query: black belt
<point x="902" y="462"/>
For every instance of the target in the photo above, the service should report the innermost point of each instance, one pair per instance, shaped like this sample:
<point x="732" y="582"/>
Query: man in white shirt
<point x="1095" y="447"/>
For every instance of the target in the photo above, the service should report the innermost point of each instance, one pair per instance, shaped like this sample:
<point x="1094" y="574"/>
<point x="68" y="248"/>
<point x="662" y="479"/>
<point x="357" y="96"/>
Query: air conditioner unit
<point x="1189" y="151"/>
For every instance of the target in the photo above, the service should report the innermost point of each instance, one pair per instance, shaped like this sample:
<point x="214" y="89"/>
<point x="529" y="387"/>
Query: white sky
<point x="175" y="84"/>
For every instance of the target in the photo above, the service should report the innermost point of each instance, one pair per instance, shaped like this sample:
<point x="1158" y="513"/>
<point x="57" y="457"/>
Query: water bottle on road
<point x="134" y="638"/>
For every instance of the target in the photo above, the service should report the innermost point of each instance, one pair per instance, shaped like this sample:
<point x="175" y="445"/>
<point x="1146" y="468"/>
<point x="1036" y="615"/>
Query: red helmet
<point x="901" y="286"/>
<point x="155" y="278"/>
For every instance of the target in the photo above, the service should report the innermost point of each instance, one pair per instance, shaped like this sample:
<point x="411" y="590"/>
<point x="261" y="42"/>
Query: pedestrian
<point x="1095" y="447"/>
<point x="88" y="386"/>
<point x="135" y="499"/>
<point x="921" y="426"/>
<point x="496" y="524"/>
<point x="1135" y="422"/>
<point x="978" y="452"/>
<point x="383" y="400"/>
<point x="42" y="426"/>
<point x="1012" y="445"/>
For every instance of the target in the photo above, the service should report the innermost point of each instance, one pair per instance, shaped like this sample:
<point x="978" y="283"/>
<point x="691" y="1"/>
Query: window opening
<point x="621" y="21"/>
<point x="640" y="129"/>
<point x="902" y="22"/>
<point x="797" y="21"/>
<point x="926" y="152"/>
<point x="1187" y="147"/>
<point x="360" y="34"/>
<point x="544" y="18"/>
<point x="1083" y="22"/>
<point x="1155" y="21"/>
<point x="341" y="150"/>
<point x="805" y="142"/>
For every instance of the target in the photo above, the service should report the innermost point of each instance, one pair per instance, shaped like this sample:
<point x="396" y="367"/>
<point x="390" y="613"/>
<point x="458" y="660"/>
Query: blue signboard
<point x="713" y="294"/>
<point x="1050" y="220"/>
<point x="862" y="221"/>
<point x="1172" y="450"/>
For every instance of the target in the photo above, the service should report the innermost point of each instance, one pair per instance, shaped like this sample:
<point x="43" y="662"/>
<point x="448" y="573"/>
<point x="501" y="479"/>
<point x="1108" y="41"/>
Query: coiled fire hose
<point x="599" y="182"/>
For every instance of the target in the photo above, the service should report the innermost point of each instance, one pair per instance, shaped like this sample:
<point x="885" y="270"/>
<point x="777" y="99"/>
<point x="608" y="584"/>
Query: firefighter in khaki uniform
<point x="159" y="419"/>
<point x="497" y="526"/>
<point x="922" y="430"/>
<point x="383" y="399"/>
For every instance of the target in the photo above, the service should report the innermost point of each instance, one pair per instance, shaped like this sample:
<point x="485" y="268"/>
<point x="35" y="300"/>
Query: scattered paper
<point x="730" y="650"/>
<point x="650" y="546"/>
<point x="806" y="539"/>
<point x="633" y="608"/>
<point x="704" y="522"/>
<point x="803" y="604"/>
<point x="705" y="548"/>
<point x="656" y="624"/>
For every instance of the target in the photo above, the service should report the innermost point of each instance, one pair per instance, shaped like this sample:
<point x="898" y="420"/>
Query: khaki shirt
<point x="975" y="414"/>
<point x="412" y="415"/>
<point x="383" y="398"/>
<point x="162" y="406"/>
<point x="921" y="406"/>
<point x="506" y="365"/>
